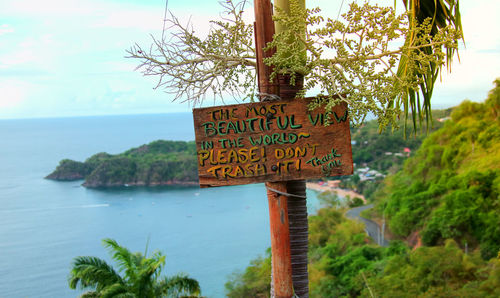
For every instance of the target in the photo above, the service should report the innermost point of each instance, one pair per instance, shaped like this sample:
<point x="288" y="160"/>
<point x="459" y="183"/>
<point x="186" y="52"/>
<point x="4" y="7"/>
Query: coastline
<point x="333" y="187"/>
<point x="141" y="184"/>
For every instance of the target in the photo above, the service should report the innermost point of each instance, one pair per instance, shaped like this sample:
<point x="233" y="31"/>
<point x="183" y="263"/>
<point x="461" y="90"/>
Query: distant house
<point x="407" y="151"/>
<point x="367" y="174"/>
<point x="362" y="170"/>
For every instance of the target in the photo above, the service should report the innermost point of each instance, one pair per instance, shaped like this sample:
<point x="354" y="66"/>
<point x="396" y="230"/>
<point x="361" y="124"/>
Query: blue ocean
<point x="206" y="233"/>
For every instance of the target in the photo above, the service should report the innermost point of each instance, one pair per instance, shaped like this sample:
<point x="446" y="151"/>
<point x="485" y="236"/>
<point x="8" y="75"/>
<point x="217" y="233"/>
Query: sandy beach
<point x="333" y="186"/>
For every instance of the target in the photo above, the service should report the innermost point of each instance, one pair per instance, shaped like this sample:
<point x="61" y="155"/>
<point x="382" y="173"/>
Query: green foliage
<point x="321" y="226"/>
<point x="342" y="263"/>
<point x="329" y="199"/>
<point x="383" y="152"/>
<point x="141" y="276"/>
<point x="350" y="61"/>
<point x="439" y="15"/>
<point x="159" y="162"/>
<point x="339" y="253"/>
<point x="337" y="249"/>
<point x="97" y="159"/>
<point x="356" y="202"/>
<point x="255" y="281"/>
<point x="70" y="170"/>
<point x="450" y="188"/>
<point x="449" y="192"/>
<point x="163" y="147"/>
<point x="371" y="144"/>
<point x="346" y="267"/>
<point x="443" y="271"/>
<point x="113" y="171"/>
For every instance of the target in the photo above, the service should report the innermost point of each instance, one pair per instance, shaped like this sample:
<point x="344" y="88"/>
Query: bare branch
<point x="191" y="67"/>
<point x="353" y="61"/>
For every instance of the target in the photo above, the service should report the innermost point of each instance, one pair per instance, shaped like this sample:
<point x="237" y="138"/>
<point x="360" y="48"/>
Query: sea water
<point x="44" y="224"/>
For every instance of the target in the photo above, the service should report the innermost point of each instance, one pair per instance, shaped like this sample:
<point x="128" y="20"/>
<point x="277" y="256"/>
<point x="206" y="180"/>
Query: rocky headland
<point x="157" y="163"/>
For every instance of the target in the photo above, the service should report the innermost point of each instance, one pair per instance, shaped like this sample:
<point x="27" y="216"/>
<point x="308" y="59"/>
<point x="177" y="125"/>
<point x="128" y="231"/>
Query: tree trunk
<point x="297" y="210"/>
<point x="297" y="220"/>
<point x="297" y="207"/>
<point x="281" y="276"/>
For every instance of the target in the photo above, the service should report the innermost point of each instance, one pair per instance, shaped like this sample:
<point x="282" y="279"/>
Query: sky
<point x="64" y="58"/>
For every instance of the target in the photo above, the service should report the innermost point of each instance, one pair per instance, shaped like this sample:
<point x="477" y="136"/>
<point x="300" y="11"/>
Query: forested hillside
<point x="376" y="154"/>
<point x="379" y="150"/>
<point x="344" y="262"/>
<point x="450" y="189"/>
<point x="447" y="193"/>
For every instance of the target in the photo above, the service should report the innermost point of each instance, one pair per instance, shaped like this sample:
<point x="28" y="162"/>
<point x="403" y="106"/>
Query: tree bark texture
<point x="281" y="277"/>
<point x="280" y="240"/>
<point x="299" y="234"/>
<point x="297" y="225"/>
<point x="297" y="210"/>
<point x="264" y="31"/>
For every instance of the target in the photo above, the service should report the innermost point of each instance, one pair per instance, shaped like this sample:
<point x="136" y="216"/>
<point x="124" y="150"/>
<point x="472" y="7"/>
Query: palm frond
<point x="127" y="261"/>
<point x="125" y="295"/>
<point x="90" y="294"/>
<point x="178" y="285"/>
<point x="149" y="271"/>
<point x="417" y="102"/>
<point x="92" y="272"/>
<point x="141" y="276"/>
<point x="116" y="290"/>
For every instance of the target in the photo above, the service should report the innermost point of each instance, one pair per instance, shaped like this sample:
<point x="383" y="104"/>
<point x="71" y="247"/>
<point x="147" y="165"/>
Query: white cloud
<point x="37" y="52"/>
<point x="143" y="19"/>
<point x="479" y="65"/>
<point x="5" y="29"/>
<point x="75" y="52"/>
<point x="13" y="92"/>
<point x="47" y="7"/>
<point x="481" y="24"/>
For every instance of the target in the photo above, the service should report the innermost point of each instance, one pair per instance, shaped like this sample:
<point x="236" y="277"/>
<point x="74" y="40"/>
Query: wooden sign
<point x="271" y="141"/>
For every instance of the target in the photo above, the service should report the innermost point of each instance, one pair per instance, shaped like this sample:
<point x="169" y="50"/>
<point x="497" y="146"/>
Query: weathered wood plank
<point x="271" y="141"/>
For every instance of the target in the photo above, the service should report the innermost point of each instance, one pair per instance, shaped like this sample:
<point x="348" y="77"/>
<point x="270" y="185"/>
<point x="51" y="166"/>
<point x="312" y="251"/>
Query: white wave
<point x="93" y="206"/>
<point x="55" y="208"/>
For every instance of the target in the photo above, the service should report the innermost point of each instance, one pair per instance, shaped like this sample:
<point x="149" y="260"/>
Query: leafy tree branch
<point x="375" y="60"/>
<point x="355" y="60"/>
<point x="191" y="67"/>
